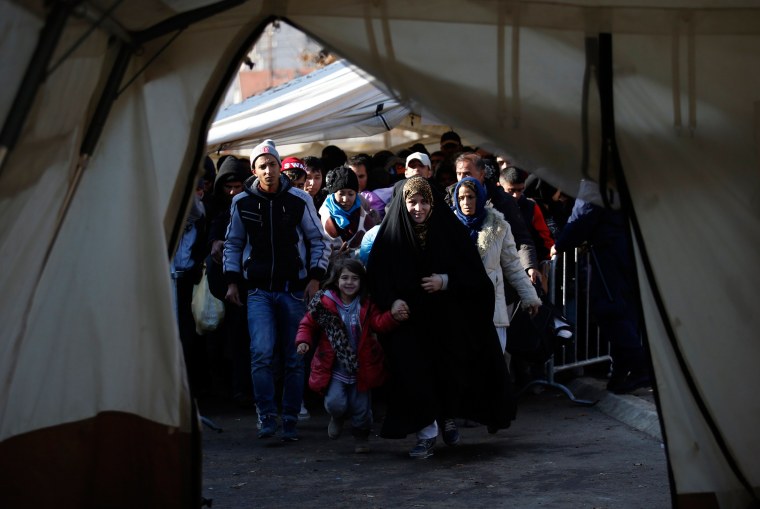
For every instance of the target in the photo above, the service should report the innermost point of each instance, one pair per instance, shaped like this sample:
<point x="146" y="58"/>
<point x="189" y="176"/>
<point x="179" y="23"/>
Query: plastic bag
<point x="208" y="311"/>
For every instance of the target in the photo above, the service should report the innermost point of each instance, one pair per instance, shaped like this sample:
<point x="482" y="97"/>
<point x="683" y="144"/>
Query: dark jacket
<point x="613" y="289"/>
<point x="218" y="208"/>
<point x="275" y="241"/>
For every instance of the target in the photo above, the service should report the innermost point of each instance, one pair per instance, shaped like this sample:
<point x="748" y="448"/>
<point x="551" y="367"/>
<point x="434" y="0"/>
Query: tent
<point x="105" y="108"/>
<point x="334" y="102"/>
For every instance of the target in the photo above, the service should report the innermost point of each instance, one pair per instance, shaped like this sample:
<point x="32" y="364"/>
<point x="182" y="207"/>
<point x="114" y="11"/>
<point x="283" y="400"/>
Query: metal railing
<point x="568" y="289"/>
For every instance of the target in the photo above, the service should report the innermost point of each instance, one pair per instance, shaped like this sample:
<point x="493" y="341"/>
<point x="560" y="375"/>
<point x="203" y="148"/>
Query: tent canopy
<point x="335" y="102"/>
<point x="105" y="111"/>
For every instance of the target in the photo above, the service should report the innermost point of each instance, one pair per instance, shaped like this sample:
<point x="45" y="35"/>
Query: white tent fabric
<point x="335" y="102"/>
<point x="93" y="191"/>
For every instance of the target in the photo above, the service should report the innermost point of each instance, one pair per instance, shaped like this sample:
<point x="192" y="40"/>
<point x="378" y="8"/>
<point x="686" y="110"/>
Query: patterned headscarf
<point x="419" y="185"/>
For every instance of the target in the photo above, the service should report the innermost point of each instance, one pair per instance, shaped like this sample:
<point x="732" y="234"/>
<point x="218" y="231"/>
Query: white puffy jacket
<point x="499" y="254"/>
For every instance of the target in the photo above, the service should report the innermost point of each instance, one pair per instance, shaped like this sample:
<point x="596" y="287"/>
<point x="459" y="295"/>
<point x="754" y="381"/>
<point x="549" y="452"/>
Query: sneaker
<point x="268" y="427"/>
<point x="361" y="445"/>
<point x="334" y="428"/>
<point x="304" y="414"/>
<point x="450" y="432"/>
<point x="423" y="449"/>
<point x="289" y="433"/>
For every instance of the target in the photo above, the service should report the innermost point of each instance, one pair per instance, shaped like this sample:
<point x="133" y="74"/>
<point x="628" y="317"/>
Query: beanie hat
<point x="341" y="177"/>
<point x="265" y="147"/>
<point x="293" y="163"/>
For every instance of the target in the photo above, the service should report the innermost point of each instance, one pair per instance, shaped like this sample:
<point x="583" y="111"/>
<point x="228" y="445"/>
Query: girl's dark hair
<point x="353" y="265"/>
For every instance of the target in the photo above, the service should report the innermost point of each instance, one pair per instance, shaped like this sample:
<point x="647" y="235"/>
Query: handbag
<point x="208" y="311"/>
<point x="532" y="338"/>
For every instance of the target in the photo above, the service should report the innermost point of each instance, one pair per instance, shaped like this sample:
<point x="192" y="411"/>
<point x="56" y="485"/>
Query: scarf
<point x="349" y="313"/>
<point x="473" y="223"/>
<point x="341" y="217"/>
<point x="419" y="185"/>
<point x="336" y="331"/>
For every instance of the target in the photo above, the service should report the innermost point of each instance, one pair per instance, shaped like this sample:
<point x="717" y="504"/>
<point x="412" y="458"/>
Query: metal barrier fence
<point x="568" y="289"/>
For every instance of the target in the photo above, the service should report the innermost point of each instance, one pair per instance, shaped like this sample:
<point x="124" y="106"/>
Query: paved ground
<point x="557" y="454"/>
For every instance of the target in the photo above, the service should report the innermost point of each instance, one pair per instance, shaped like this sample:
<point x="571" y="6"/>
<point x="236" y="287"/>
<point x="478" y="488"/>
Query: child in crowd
<point x="345" y="215"/>
<point x="348" y="361"/>
<point x="295" y="170"/>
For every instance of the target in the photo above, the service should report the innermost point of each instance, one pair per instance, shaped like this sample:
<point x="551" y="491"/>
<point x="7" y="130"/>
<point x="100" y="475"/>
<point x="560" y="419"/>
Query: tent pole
<point x="35" y="75"/>
<point x="107" y="98"/>
<point x="182" y="21"/>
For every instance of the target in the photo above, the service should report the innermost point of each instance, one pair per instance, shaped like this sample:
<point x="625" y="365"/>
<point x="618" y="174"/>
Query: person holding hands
<point x="348" y="361"/>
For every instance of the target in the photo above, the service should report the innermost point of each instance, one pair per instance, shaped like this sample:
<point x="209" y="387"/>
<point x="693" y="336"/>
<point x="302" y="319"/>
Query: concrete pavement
<point x="638" y="409"/>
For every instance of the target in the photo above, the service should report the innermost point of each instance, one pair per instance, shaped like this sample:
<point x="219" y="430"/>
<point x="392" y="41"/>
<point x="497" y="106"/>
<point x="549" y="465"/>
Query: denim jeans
<point x="273" y="319"/>
<point x="344" y="400"/>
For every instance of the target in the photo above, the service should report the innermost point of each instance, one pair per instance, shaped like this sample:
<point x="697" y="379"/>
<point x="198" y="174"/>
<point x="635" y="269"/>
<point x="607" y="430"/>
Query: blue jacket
<point x="274" y="241"/>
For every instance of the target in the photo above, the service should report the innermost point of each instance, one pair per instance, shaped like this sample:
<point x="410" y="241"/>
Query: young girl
<point x="348" y="360"/>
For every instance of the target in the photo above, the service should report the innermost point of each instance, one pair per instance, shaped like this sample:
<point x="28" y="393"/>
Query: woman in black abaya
<point x="446" y="360"/>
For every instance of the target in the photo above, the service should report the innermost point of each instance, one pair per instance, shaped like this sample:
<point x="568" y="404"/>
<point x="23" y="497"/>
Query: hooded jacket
<point x="275" y="241"/>
<point x="232" y="169"/>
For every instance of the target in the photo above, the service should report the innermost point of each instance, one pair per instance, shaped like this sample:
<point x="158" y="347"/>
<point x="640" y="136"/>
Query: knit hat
<point x="341" y="177"/>
<point x="292" y="163"/>
<point x="265" y="147"/>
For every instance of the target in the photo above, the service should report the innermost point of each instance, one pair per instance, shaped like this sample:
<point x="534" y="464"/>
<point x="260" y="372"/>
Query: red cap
<point x="291" y="163"/>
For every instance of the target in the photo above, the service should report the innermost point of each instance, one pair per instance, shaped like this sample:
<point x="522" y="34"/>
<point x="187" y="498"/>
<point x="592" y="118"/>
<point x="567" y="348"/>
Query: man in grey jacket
<point x="275" y="241"/>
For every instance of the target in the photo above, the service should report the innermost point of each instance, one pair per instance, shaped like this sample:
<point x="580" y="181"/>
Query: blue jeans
<point x="344" y="400"/>
<point x="273" y="319"/>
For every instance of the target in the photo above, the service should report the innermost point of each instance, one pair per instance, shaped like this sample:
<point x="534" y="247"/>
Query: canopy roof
<point x="105" y="109"/>
<point x="335" y="102"/>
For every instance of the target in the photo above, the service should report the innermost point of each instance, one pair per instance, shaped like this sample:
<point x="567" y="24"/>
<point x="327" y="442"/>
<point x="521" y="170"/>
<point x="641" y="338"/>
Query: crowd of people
<point x="393" y="271"/>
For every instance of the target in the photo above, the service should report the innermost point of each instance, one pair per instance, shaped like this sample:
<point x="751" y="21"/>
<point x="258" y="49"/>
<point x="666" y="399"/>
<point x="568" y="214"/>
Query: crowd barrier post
<point x="569" y="283"/>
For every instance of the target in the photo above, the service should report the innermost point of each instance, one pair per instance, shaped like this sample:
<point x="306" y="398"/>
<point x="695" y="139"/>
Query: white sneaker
<point x="304" y="414"/>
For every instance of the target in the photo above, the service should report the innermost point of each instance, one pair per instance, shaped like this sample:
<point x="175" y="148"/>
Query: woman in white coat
<point x="493" y="238"/>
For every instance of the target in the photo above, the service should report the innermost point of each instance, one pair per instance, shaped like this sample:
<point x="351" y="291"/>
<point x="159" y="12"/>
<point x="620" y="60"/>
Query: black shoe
<point x="423" y="449"/>
<point x="450" y="432"/>
<point x="630" y="383"/>
<point x="268" y="427"/>
<point x="289" y="433"/>
<point x="361" y="445"/>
